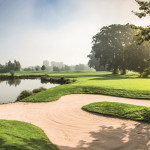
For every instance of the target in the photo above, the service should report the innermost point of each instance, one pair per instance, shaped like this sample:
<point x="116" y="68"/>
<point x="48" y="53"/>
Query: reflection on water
<point x="14" y="82"/>
<point x="10" y="89"/>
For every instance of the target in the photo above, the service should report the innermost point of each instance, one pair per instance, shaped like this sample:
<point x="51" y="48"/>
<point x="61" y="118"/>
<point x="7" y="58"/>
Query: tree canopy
<point x="10" y="66"/>
<point x="115" y="47"/>
<point x="144" y="33"/>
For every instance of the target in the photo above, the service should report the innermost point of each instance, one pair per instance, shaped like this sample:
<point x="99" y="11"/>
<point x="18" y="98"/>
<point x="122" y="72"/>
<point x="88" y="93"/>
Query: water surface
<point x="10" y="89"/>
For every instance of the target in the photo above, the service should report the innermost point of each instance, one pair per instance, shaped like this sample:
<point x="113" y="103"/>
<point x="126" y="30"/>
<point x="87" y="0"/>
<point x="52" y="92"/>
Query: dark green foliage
<point x="10" y="67"/>
<point x="135" y="56"/>
<point x="95" y="63"/>
<point x="43" y="67"/>
<point x="121" y="110"/>
<point x="24" y="94"/>
<point x="115" y="47"/>
<point x="16" y="135"/>
<point x="145" y="73"/>
<point x="109" y="46"/>
<point x="144" y="33"/>
<point x="144" y="7"/>
<point x="39" y="90"/>
<point x="59" y="80"/>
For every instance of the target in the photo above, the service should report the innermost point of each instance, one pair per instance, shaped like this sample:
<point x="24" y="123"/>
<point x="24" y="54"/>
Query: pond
<point x="10" y="89"/>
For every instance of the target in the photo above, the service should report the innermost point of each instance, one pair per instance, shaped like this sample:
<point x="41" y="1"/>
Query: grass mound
<point x="15" y="135"/>
<point x="121" y="110"/>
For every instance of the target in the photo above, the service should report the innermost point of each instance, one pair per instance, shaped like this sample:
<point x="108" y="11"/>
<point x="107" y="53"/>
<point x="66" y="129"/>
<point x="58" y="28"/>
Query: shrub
<point x="145" y="73"/>
<point x="39" y="90"/>
<point x="24" y="94"/>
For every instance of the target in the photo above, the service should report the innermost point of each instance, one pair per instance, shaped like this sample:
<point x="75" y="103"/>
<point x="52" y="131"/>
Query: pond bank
<point x="44" y="78"/>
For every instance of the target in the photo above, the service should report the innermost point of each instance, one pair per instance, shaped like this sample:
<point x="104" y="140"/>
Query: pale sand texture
<point x="71" y="128"/>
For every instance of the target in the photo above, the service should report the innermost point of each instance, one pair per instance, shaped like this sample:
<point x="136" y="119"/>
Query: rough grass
<point x="121" y="110"/>
<point x="15" y="135"/>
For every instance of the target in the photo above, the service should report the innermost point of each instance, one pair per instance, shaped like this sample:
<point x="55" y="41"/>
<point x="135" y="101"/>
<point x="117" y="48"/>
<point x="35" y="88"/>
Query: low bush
<point x="58" y="80"/>
<point x="145" y="73"/>
<point x="24" y="94"/>
<point x="39" y="90"/>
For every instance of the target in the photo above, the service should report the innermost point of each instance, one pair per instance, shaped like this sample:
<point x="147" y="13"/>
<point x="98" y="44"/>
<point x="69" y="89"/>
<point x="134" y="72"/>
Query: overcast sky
<point x="57" y="30"/>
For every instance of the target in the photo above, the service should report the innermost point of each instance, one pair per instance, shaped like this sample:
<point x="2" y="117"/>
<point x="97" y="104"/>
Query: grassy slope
<point x="15" y="135"/>
<point x="121" y="110"/>
<point x="97" y="83"/>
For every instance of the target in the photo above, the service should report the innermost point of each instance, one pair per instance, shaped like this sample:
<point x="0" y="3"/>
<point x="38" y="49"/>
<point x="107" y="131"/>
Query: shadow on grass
<point x="25" y="144"/>
<point x="121" y="138"/>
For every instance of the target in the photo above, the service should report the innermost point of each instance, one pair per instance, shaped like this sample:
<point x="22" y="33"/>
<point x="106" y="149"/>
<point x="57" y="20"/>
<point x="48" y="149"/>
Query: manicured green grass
<point x="121" y="110"/>
<point x="15" y="135"/>
<point x="56" y="92"/>
<point x="98" y="83"/>
<point x="94" y="83"/>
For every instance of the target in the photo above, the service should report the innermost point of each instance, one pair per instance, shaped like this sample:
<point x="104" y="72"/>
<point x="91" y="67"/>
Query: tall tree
<point x="136" y="55"/>
<point x="17" y="65"/>
<point x="43" y="67"/>
<point x="144" y="33"/>
<point x="109" y="46"/>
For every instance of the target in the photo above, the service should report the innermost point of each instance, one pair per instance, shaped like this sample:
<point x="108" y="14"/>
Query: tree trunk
<point x="115" y="70"/>
<point x="123" y="71"/>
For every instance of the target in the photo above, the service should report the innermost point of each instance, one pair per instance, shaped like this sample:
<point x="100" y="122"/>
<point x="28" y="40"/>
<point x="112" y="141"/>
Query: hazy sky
<point x="57" y="30"/>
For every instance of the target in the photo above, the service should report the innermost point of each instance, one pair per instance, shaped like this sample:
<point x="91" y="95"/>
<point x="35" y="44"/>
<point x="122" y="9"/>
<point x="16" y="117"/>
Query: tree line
<point x="58" y="66"/>
<point x="10" y="66"/>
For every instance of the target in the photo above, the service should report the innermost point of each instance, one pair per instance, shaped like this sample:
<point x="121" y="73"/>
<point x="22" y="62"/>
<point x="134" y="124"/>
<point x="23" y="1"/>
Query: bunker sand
<point x="71" y="128"/>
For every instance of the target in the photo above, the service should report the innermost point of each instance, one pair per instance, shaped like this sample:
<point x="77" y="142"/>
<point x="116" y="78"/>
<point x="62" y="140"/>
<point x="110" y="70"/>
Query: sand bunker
<point x="71" y="128"/>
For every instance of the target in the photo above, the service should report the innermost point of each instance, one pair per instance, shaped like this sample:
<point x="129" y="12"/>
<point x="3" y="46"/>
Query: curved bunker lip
<point x="71" y="128"/>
